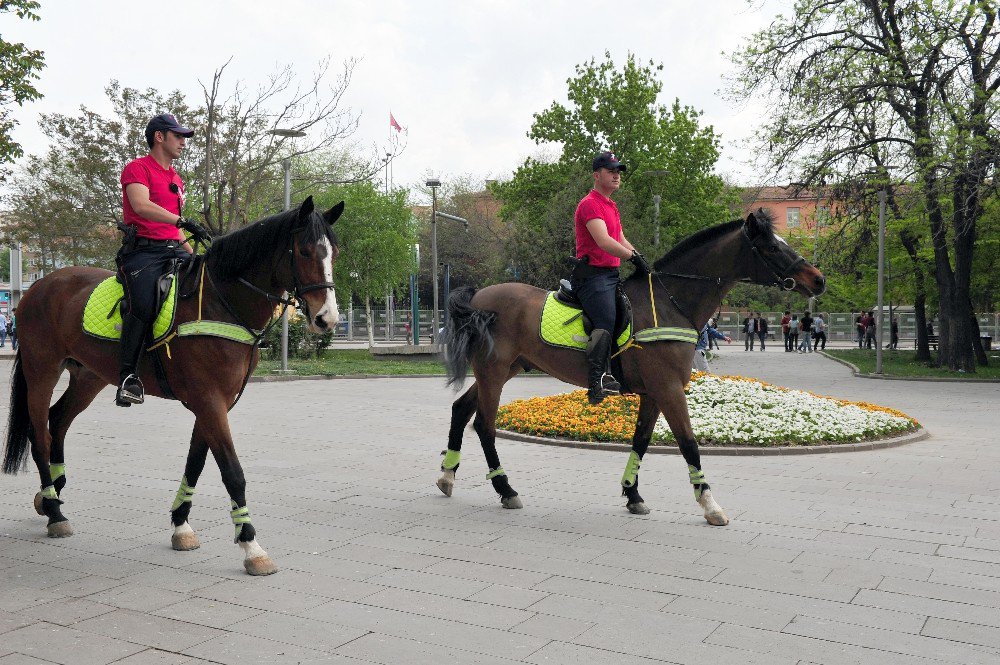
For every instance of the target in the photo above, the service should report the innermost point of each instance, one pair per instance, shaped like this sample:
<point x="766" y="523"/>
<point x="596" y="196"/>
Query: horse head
<point x="314" y="250"/>
<point x="773" y="261"/>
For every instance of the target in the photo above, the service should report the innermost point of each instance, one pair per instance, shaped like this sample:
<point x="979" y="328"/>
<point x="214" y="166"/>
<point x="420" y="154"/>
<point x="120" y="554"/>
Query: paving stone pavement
<point x="889" y="556"/>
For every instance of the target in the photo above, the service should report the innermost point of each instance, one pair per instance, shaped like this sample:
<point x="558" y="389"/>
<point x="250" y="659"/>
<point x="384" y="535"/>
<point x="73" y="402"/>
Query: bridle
<point x="781" y="271"/>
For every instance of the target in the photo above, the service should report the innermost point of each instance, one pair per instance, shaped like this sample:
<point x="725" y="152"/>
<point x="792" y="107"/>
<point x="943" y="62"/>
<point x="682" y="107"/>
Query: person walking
<point x="152" y="203"/>
<point x="785" y="332"/>
<point x="13" y="329"/>
<point x="870" y="331"/>
<point x="700" y="357"/>
<point x="600" y="247"/>
<point x="894" y="333"/>
<point x="859" y="329"/>
<point x="793" y="331"/>
<point x="3" y="330"/>
<point x="805" y="330"/>
<point x="712" y="341"/>
<point x="819" y="333"/>
<point x="761" y="329"/>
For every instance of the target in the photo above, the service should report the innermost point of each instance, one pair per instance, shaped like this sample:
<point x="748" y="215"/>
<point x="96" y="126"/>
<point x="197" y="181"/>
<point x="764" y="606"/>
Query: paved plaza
<point x="891" y="556"/>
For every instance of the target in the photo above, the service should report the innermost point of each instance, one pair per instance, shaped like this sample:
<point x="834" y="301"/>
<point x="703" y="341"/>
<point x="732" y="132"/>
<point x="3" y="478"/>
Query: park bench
<point x="932" y="341"/>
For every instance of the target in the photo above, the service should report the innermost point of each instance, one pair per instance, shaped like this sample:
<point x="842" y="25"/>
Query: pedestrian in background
<point x="894" y="333"/>
<point x="805" y="330"/>
<point x="870" y="331"/>
<point x="785" y="332"/>
<point x="761" y="329"/>
<point x="3" y="330"/>
<point x="819" y="333"/>
<point x="13" y="328"/>
<point x="749" y="331"/>
<point x="793" y="331"/>
<point x="700" y="357"/>
<point x="859" y="329"/>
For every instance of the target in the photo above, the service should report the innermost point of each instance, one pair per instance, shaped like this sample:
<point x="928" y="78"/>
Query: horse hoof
<point x="511" y="502"/>
<point x="717" y="519"/>
<point x="60" y="530"/>
<point x="260" y="565"/>
<point x="38" y="503"/>
<point x="638" y="508"/>
<point x="184" y="542"/>
<point x="446" y="486"/>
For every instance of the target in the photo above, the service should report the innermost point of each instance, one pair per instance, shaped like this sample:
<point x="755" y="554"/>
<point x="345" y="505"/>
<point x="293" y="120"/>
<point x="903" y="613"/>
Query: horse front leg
<point x="644" y="424"/>
<point x="461" y="414"/>
<point x="184" y="538"/>
<point x="673" y="403"/>
<point x="212" y="426"/>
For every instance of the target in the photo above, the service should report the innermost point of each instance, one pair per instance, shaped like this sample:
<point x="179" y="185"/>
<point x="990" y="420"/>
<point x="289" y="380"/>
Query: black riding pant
<point x="595" y="287"/>
<point x="140" y="270"/>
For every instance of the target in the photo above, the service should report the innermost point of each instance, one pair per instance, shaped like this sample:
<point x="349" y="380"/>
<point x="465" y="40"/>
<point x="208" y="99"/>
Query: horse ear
<point x="752" y="225"/>
<point x="334" y="213"/>
<point x="306" y="208"/>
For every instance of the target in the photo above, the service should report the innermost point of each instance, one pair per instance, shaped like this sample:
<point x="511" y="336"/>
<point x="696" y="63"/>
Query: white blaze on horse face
<point x="329" y="313"/>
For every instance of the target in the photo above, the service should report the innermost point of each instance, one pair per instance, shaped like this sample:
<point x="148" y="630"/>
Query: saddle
<point x="102" y="316"/>
<point x="564" y="323"/>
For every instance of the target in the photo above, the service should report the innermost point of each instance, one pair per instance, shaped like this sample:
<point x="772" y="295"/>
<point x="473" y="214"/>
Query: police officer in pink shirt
<point x="153" y="199"/>
<point x="600" y="247"/>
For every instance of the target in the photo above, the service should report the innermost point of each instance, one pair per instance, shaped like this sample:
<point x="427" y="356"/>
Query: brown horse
<point x="495" y="330"/>
<point x="238" y="282"/>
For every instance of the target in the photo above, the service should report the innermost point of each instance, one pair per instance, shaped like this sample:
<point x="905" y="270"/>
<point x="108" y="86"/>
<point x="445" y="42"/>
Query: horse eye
<point x="304" y="251"/>
<point x="774" y="247"/>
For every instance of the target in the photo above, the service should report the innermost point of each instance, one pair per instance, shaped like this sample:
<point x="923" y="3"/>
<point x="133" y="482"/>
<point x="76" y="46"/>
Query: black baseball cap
<point x="166" y="122"/>
<point x="607" y="160"/>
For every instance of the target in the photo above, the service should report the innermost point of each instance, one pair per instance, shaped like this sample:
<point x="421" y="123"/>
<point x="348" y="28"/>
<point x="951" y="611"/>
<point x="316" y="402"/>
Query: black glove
<point x="197" y="231"/>
<point x="640" y="263"/>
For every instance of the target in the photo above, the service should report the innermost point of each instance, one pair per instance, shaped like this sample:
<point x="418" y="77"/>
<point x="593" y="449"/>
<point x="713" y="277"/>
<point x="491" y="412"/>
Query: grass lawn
<point x="902" y="363"/>
<point x="348" y="362"/>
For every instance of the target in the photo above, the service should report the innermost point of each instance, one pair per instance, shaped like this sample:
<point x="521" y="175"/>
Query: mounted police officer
<point x="152" y="200"/>
<point x="600" y="247"/>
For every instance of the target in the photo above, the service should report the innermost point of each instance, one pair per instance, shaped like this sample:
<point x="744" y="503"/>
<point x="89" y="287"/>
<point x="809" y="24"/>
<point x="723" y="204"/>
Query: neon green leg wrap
<point x="496" y="472"/>
<point x="451" y="460"/>
<point x="49" y="492"/>
<point x="240" y="517"/>
<point x="56" y="471"/>
<point x="184" y="494"/>
<point x="697" y="477"/>
<point x="631" y="470"/>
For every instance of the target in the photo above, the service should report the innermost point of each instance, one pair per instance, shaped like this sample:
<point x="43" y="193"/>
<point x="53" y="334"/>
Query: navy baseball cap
<point x="166" y="122"/>
<point x="607" y="160"/>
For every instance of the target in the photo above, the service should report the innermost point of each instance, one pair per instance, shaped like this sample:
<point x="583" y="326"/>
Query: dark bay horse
<point x="237" y="282"/>
<point x="495" y="330"/>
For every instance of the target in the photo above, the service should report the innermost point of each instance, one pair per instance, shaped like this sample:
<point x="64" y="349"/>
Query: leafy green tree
<point x="856" y="86"/>
<point x="19" y="67"/>
<point x="376" y="234"/>
<point x="668" y="152"/>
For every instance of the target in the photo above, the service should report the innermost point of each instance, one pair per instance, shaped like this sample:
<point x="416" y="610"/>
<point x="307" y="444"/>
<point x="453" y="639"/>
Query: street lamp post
<point x="286" y="165"/>
<point x="434" y="183"/>
<point x="656" y="206"/>
<point x="881" y="277"/>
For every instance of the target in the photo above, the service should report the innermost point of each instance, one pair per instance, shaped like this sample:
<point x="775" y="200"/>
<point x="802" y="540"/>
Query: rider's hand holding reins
<point x="197" y="231"/>
<point x="640" y="263"/>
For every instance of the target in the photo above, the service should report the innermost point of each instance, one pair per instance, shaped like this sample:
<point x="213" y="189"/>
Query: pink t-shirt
<point x="597" y="206"/>
<point x="157" y="179"/>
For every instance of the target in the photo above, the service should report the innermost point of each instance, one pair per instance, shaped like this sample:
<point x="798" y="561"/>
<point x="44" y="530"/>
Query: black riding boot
<point x="130" y="390"/>
<point x="601" y="384"/>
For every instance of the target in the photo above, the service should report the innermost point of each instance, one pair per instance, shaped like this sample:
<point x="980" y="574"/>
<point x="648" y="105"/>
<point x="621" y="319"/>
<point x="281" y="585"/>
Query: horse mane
<point x="234" y="253"/>
<point x="765" y="225"/>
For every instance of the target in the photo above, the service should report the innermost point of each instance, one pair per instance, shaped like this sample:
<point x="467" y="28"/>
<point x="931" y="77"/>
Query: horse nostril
<point x="320" y="322"/>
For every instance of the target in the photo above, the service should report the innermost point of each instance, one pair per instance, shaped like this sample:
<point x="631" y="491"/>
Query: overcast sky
<point x="463" y="78"/>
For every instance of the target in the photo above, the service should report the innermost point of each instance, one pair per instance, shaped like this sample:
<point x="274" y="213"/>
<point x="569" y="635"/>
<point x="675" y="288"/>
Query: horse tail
<point x="468" y="333"/>
<point x="18" y="424"/>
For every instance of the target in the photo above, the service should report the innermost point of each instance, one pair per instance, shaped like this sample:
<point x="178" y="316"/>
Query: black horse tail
<point x="467" y="333"/>
<point x="18" y="424"/>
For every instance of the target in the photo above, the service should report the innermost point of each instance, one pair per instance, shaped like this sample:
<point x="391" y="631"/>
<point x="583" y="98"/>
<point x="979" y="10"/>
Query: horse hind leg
<point x="461" y="413"/>
<point x="84" y="386"/>
<point x="485" y="425"/>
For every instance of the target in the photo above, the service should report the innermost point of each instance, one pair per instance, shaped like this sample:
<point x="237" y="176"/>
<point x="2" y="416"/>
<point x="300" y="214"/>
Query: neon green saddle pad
<point x="562" y="325"/>
<point x="102" y="317"/>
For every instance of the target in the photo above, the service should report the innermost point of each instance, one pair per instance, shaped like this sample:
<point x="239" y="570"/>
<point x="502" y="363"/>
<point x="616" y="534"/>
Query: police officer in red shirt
<point x="153" y="199"/>
<point x="600" y="247"/>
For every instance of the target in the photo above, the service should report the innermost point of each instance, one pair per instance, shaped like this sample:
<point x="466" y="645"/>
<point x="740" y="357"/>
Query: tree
<point x="667" y="151"/>
<point x="376" y="234"/>
<point x="880" y="83"/>
<point x="19" y="66"/>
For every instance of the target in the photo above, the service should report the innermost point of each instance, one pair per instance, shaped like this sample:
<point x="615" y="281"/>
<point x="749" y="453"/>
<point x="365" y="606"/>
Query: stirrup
<point x="607" y="385"/>
<point x="130" y="391"/>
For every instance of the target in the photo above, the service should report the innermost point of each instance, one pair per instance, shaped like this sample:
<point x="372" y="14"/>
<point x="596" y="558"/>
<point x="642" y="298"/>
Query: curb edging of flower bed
<point x="891" y="442"/>
<point x="939" y="379"/>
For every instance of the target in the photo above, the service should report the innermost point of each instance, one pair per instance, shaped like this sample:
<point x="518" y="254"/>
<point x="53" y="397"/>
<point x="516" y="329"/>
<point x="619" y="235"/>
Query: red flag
<point x="393" y="123"/>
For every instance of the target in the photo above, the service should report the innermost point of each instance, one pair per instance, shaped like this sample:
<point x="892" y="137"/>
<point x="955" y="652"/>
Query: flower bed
<point x="725" y="410"/>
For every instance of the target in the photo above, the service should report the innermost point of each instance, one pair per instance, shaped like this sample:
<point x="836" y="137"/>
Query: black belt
<point x="151" y="242"/>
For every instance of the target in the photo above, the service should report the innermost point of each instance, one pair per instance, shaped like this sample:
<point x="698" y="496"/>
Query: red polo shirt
<point x="597" y="206"/>
<point x="146" y="171"/>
